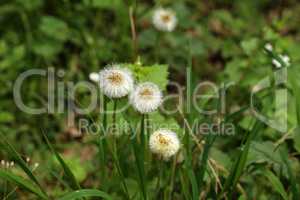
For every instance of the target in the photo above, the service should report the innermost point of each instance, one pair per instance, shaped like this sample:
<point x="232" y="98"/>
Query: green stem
<point x="142" y="135"/>
<point x="102" y="141"/>
<point x="114" y="151"/>
<point x="172" y="178"/>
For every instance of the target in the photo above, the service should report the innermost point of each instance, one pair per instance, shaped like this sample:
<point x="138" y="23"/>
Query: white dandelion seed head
<point x="146" y="97"/>
<point x="164" y="143"/>
<point x="116" y="82"/>
<point x="164" y="19"/>
<point x="94" y="76"/>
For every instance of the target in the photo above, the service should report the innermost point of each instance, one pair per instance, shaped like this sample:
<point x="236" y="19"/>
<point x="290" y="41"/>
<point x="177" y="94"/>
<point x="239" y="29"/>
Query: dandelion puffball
<point x="116" y="82"/>
<point x="164" y="143"/>
<point x="164" y="19"/>
<point x="146" y="97"/>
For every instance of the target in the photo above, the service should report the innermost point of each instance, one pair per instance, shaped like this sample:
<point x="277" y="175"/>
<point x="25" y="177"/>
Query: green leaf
<point x="21" y="182"/>
<point x="54" y="28"/>
<point x="46" y="47"/>
<point x="103" y="3"/>
<point x="157" y="74"/>
<point x="249" y="46"/>
<point x="85" y="193"/>
<point x="31" y="4"/>
<point x="68" y="173"/>
<point x="6" y="117"/>
<point x="277" y="185"/>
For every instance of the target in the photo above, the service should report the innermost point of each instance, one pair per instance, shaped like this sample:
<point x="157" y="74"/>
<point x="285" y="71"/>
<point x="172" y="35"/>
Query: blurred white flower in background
<point x="285" y="59"/>
<point x="94" y="76"/>
<point x="164" y="143"/>
<point x="276" y="63"/>
<point x="146" y="97"/>
<point x="164" y="19"/>
<point x="115" y="81"/>
<point x="269" y="47"/>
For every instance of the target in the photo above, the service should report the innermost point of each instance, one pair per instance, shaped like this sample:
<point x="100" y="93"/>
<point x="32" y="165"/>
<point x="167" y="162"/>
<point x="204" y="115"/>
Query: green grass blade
<point x="277" y="185"/>
<point x="184" y="184"/>
<point x="238" y="167"/>
<point x="68" y="173"/>
<point x="17" y="158"/>
<point x="85" y="193"/>
<point x="22" y="183"/>
<point x="293" y="182"/>
<point x="203" y="163"/>
<point x="139" y="160"/>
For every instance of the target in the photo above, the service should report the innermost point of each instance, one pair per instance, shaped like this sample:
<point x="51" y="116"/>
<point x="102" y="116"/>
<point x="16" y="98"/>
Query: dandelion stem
<point x="133" y="30"/>
<point x="114" y="150"/>
<point x="142" y="135"/>
<point x="102" y="139"/>
<point x="169" y="196"/>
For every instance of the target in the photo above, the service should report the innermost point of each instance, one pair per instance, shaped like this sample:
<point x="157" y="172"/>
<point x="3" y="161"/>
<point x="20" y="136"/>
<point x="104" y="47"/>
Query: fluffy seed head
<point x="164" y="143"/>
<point x="164" y="19"/>
<point x="146" y="97"/>
<point x="115" y="82"/>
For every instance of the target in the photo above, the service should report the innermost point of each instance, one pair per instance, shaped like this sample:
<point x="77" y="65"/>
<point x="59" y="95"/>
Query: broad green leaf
<point x="157" y="74"/>
<point x="21" y="182"/>
<point x="54" y="28"/>
<point x="85" y="193"/>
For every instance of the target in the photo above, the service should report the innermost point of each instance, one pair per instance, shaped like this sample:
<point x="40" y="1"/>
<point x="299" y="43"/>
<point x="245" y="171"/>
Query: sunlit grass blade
<point x="68" y="173"/>
<point x="22" y="183"/>
<point x="17" y="158"/>
<point x="86" y="193"/>
<point x="277" y="185"/>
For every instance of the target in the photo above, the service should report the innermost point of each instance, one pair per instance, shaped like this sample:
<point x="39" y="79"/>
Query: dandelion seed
<point x="116" y="82"/>
<point x="12" y="163"/>
<point x="164" y="19"/>
<point x="27" y="159"/>
<point x="146" y="97"/>
<point x="94" y="77"/>
<point x="164" y="143"/>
